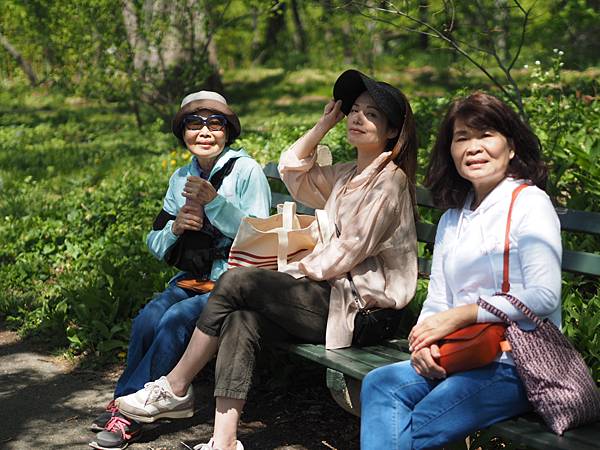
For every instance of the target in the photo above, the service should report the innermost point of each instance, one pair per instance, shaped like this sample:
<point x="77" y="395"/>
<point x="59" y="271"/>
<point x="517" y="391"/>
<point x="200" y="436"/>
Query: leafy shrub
<point x="80" y="186"/>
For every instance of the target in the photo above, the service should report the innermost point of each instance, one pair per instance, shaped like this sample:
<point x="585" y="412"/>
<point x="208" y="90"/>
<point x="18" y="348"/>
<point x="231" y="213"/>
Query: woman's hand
<point x="435" y="327"/>
<point x="332" y="114"/>
<point x="425" y="362"/>
<point x="306" y="145"/>
<point x="198" y="190"/>
<point x="189" y="217"/>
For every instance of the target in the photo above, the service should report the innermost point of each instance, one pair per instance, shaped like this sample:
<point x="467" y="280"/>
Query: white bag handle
<point x="289" y="212"/>
<point x="282" y="248"/>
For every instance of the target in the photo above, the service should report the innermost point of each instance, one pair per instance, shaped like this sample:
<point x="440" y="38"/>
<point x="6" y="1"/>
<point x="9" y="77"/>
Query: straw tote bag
<point x="276" y="241"/>
<point x="556" y="379"/>
<point x="478" y="345"/>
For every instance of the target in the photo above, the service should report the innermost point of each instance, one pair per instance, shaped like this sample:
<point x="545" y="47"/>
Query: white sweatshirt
<point x="468" y="257"/>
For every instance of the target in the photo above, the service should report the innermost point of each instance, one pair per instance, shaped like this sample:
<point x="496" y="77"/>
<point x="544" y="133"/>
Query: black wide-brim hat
<point x="388" y="99"/>
<point x="212" y="101"/>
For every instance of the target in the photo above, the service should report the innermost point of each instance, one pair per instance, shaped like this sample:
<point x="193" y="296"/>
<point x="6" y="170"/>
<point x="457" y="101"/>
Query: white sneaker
<point x="211" y="446"/>
<point x="156" y="401"/>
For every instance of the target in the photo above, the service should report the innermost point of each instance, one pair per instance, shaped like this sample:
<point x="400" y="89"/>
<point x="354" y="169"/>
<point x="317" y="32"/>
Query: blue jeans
<point x="159" y="336"/>
<point x="401" y="410"/>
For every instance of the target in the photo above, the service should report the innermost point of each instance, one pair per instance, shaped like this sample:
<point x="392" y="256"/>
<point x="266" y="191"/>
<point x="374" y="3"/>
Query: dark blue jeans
<point x="159" y="336"/>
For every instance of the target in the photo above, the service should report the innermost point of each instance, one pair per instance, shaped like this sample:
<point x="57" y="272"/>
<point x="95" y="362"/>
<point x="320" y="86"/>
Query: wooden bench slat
<point x="389" y="352"/>
<point x="530" y="430"/>
<point x="270" y="171"/>
<point x="575" y="262"/>
<point x="571" y="220"/>
<point x="579" y="221"/>
<point x="424" y="197"/>
<point x="424" y="267"/>
<point x="426" y="232"/>
<point x="364" y="355"/>
<point x="581" y="262"/>
<point x="278" y="198"/>
<point x="331" y="359"/>
<point x="398" y="343"/>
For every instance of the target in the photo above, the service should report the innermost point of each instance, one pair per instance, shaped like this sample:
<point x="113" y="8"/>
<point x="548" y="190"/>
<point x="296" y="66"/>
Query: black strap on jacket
<point x="194" y="251"/>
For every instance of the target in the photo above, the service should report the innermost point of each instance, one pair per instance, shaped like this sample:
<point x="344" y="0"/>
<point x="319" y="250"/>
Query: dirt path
<point x="45" y="403"/>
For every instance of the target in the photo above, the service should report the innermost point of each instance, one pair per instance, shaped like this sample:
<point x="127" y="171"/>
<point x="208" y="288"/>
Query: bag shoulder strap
<point x="505" y="281"/>
<point x="217" y="179"/>
<point x="516" y="303"/>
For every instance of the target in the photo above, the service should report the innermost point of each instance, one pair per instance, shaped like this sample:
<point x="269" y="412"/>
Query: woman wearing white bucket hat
<point x="202" y="210"/>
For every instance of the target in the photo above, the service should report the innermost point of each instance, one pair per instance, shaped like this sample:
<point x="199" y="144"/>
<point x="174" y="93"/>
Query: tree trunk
<point x="173" y="52"/>
<point x="300" y="34"/>
<point x="424" y="17"/>
<point x="214" y="81"/>
<point x="25" y="66"/>
<point x="275" y="24"/>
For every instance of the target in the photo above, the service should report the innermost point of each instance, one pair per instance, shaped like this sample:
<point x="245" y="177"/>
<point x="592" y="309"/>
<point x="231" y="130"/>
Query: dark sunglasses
<point x="214" y="122"/>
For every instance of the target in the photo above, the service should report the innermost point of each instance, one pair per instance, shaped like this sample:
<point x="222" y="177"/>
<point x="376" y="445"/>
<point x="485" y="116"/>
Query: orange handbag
<point x="471" y="347"/>
<point x="199" y="286"/>
<point x="478" y="345"/>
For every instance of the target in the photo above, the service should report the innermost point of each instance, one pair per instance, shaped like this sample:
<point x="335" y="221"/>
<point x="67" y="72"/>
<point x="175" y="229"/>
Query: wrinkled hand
<point x="425" y="363"/>
<point x="435" y="327"/>
<point x="332" y="114"/>
<point x="198" y="190"/>
<point x="189" y="217"/>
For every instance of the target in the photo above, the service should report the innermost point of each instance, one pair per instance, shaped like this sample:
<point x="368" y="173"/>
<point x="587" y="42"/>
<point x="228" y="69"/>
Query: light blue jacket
<point x="244" y="192"/>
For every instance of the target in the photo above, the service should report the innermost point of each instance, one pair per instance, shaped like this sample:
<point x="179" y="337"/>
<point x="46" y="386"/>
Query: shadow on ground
<point x="48" y="404"/>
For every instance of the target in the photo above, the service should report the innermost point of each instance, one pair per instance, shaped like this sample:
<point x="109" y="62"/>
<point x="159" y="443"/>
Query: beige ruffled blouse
<point x="377" y="244"/>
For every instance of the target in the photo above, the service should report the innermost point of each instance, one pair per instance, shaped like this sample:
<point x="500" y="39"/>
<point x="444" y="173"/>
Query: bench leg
<point x="345" y="391"/>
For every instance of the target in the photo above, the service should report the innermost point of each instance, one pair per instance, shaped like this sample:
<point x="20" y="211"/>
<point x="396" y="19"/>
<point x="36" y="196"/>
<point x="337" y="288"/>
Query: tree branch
<point x="514" y="94"/>
<point x="523" y="29"/>
<point x="25" y="66"/>
<point x="440" y="35"/>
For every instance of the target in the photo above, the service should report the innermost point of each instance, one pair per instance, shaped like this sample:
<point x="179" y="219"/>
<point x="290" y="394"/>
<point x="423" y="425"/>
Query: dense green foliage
<point x="81" y="184"/>
<point x="85" y="152"/>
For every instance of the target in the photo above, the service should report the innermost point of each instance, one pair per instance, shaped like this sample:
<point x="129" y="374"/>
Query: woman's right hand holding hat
<point x="307" y="144"/>
<point x="332" y="114"/>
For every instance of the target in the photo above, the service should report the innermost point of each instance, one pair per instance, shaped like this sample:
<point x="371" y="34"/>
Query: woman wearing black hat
<point x="364" y="266"/>
<point x="201" y="214"/>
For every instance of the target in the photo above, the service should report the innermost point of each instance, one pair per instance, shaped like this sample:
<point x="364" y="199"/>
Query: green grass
<point x="80" y="185"/>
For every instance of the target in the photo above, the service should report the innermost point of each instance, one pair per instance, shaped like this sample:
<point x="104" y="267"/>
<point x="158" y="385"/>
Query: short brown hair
<point x="482" y="111"/>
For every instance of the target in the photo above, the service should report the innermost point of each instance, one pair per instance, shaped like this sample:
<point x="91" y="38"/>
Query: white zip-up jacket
<point x="468" y="257"/>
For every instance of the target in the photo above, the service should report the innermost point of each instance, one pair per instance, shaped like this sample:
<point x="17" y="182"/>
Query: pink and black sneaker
<point x="101" y="421"/>
<point x="117" y="434"/>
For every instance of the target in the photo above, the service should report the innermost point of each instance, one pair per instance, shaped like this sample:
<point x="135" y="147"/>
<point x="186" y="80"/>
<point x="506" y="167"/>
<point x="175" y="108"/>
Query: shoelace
<point x="118" y="424"/>
<point x="156" y="392"/>
<point x="112" y="407"/>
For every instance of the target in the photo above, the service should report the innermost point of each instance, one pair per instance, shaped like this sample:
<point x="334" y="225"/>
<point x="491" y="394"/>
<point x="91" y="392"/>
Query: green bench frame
<point x="347" y="367"/>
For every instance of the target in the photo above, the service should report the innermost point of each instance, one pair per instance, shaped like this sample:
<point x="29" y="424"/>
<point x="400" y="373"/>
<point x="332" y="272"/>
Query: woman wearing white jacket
<point x="483" y="152"/>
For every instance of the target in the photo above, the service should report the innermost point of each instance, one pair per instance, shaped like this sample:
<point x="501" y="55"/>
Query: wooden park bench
<point x="347" y="367"/>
